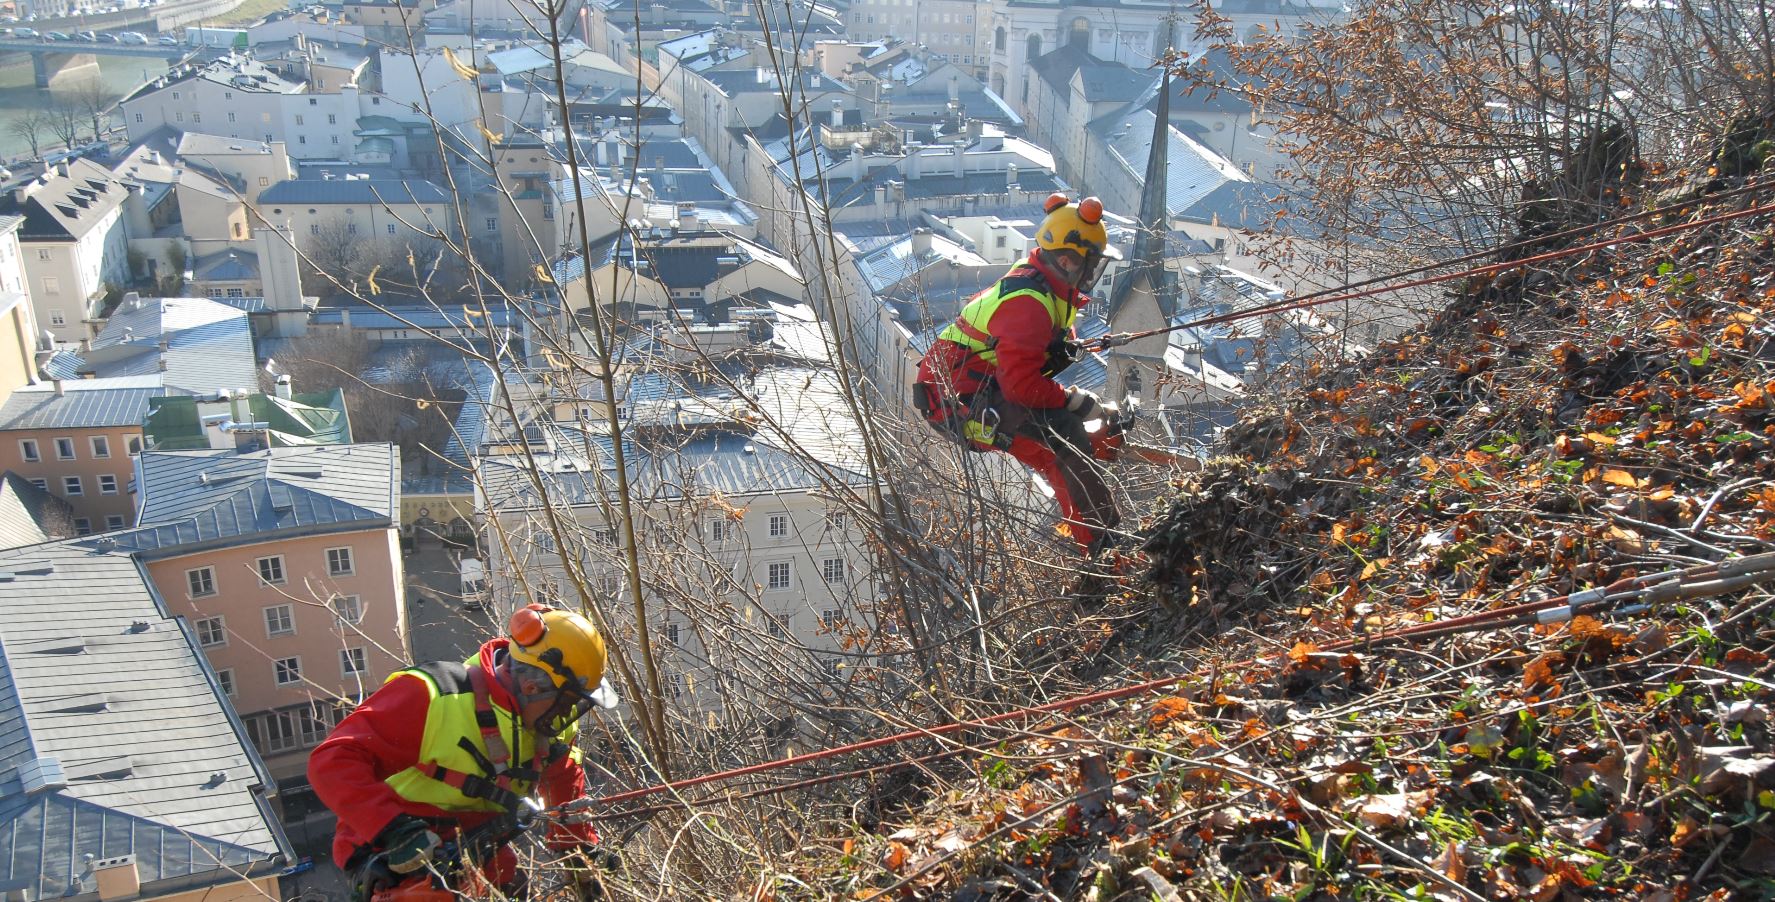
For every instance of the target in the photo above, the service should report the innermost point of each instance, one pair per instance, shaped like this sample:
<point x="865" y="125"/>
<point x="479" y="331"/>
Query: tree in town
<point x="30" y="125"/>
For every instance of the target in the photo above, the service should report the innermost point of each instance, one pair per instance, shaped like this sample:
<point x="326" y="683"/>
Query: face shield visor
<point x="572" y="703"/>
<point x="1096" y="263"/>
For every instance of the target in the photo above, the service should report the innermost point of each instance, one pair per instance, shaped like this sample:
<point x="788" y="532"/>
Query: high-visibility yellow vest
<point x="452" y="729"/>
<point x="970" y="328"/>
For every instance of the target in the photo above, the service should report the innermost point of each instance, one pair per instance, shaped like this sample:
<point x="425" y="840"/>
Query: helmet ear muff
<point x="1091" y="210"/>
<point x="1057" y="200"/>
<point x="527" y="627"/>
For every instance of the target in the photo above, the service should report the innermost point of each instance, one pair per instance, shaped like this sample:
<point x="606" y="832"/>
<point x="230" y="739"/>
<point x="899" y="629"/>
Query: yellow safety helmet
<point x="564" y="645"/>
<point x="1077" y="227"/>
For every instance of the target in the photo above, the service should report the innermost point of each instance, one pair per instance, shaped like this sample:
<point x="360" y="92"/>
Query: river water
<point x="18" y="91"/>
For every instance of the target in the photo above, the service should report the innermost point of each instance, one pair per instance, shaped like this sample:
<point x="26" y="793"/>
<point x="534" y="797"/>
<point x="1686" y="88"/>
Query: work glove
<point x="407" y="844"/>
<point x="1083" y="403"/>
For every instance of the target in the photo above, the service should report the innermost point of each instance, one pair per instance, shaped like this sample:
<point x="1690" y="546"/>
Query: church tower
<point x="1146" y="295"/>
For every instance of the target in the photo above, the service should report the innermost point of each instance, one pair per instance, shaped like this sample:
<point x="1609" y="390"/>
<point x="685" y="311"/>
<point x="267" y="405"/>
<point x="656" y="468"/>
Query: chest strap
<point x="494" y="782"/>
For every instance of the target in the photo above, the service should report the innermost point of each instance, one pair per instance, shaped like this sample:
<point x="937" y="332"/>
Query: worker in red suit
<point x="443" y="748"/>
<point x="989" y="379"/>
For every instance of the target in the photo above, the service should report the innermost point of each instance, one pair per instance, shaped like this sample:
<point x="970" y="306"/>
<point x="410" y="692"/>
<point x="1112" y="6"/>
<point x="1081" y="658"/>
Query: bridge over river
<point x="54" y="61"/>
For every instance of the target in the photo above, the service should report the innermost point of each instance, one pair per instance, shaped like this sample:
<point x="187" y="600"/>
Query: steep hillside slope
<point x="1571" y="425"/>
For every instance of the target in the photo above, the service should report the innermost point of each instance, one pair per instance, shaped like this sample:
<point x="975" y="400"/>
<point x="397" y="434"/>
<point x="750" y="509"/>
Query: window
<point x="375" y="101"/>
<point x="52" y="285"/>
<point x="175" y="95"/>
<point x="672" y="633"/>
<point x="492" y="224"/>
<point x="237" y="292"/>
<point x="212" y="631"/>
<point x="779" y="526"/>
<point x="778" y="627"/>
<point x="720" y="529"/>
<point x="332" y="119"/>
<point x="314" y="228"/>
<point x="107" y="483"/>
<point x="138" y="117"/>
<point x="390" y="228"/>
<point x="829" y="619"/>
<point x="280" y="620"/>
<point x="57" y="318"/>
<point x="349" y="609"/>
<point x="264" y="181"/>
<point x="335" y="139"/>
<point x="832" y="569"/>
<point x="41" y="484"/>
<point x="135" y="444"/>
<point x="777" y="575"/>
<point x="288" y="671"/>
<point x="101" y="446"/>
<point x="196" y="117"/>
<point x="64" y="449"/>
<point x="27" y="449"/>
<point x="227" y="95"/>
<point x="71" y="485"/>
<point x="179" y="117"/>
<point x="351" y="228"/>
<point x="201" y="582"/>
<point x="225" y="679"/>
<point x="114" y="521"/>
<point x="271" y="569"/>
<point x="352" y="662"/>
<point x="82" y="526"/>
<point x="43" y="253"/>
<point x="313" y="101"/>
<point x="301" y="139"/>
<point x="339" y="562"/>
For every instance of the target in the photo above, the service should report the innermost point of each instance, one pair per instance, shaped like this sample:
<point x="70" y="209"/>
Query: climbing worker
<point x="442" y="748"/>
<point x="989" y="379"/>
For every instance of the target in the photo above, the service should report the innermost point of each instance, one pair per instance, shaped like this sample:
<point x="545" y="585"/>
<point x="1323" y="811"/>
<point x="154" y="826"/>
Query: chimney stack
<point x="283" y="387"/>
<point x="837" y="114"/>
<point x="118" y="878"/>
<point x="61" y="169"/>
<point x="921" y="241"/>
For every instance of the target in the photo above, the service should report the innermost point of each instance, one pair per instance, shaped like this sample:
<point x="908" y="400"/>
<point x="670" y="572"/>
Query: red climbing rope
<point x="1334" y="295"/>
<point x="1650" y="589"/>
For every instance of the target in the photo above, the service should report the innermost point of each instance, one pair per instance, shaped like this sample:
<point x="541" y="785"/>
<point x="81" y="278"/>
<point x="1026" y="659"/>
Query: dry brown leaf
<point x="1622" y="478"/>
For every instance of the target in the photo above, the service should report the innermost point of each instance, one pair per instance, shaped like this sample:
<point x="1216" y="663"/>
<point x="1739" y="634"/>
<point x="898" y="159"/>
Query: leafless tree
<point x="30" y="126"/>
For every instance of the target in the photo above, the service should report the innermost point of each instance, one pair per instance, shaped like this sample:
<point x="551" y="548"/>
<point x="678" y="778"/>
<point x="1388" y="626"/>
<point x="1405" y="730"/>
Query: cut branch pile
<point x="1556" y="429"/>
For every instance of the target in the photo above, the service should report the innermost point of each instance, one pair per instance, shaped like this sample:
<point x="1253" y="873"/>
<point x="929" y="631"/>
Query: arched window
<point x="1080" y="34"/>
<point x="1034" y="48"/>
<point x="998" y="40"/>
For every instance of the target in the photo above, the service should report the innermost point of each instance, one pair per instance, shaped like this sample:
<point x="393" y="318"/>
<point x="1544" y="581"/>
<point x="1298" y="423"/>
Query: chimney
<point x="59" y="390"/>
<point x="858" y="170"/>
<point x="881" y="197"/>
<point x="921" y="241"/>
<point x="117" y="878"/>
<point x="283" y="387"/>
<point x="61" y="169"/>
<point x="837" y="114"/>
<point x="954" y="88"/>
<point x="1010" y="177"/>
<point x="659" y="173"/>
<point x="960" y="150"/>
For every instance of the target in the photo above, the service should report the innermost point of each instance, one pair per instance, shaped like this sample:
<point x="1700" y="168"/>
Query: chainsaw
<point x="455" y="872"/>
<point x="1110" y="440"/>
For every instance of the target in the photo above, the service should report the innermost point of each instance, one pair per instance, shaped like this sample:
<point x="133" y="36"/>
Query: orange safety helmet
<point x="1077" y="227"/>
<point x="564" y="645"/>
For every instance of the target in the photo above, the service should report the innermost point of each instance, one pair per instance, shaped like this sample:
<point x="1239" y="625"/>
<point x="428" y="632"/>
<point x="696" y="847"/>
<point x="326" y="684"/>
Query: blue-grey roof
<point x="232" y="265"/>
<point x="29" y="515"/>
<point x="85" y="403"/>
<point x="711" y="460"/>
<point x="62" y="365"/>
<point x="470" y="427"/>
<point x="353" y="191"/>
<point x="209" y="345"/>
<point x="200" y="497"/>
<point x="102" y="687"/>
<point x="1192" y="171"/>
